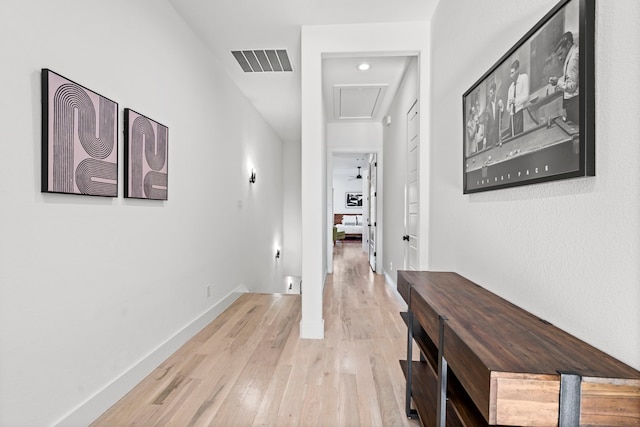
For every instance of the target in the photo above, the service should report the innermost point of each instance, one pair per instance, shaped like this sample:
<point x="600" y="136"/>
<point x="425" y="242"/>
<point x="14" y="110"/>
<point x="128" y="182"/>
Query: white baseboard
<point x="391" y="282"/>
<point x="389" y="279"/>
<point x="312" y="330"/>
<point x="88" y="411"/>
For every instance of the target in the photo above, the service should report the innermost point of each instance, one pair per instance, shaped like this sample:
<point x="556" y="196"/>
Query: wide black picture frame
<point x="353" y="199"/>
<point x="79" y="139"/>
<point x="146" y="157"/>
<point x="548" y="145"/>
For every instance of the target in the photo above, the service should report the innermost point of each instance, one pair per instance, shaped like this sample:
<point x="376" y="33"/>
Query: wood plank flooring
<point x="249" y="366"/>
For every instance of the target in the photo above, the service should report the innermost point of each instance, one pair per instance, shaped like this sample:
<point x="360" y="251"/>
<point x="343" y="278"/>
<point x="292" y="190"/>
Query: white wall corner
<point x="393" y="285"/>
<point x="389" y="280"/>
<point x="88" y="411"/>
<point x="313" y="330"/>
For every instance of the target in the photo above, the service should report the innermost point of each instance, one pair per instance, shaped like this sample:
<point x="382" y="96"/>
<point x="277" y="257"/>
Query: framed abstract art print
<point x="79" y="139"/>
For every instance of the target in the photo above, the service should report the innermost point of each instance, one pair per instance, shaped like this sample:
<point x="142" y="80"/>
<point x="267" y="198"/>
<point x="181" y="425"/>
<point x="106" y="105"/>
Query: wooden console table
<point x="485" y="361"/>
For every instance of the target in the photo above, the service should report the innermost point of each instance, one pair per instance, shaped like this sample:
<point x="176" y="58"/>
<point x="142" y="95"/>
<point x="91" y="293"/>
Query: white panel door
<point x="413" y="185"/>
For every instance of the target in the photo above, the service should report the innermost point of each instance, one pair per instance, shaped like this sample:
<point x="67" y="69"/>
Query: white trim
<point x="88" y="411"/>
<point x="393" y="285"/>
<point x="389" y="280"/>
<point x="312" y="330"/>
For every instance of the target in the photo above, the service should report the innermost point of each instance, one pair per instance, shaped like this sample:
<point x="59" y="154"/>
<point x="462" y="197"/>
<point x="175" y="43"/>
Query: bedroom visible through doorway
<point x="350" y="183"/>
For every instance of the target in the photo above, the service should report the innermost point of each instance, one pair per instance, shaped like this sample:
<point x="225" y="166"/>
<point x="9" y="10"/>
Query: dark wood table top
<point x="505" y="337"/>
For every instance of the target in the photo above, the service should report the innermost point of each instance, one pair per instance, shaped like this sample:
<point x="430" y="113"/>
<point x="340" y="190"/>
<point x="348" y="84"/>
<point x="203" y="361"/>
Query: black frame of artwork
<point x="549" y="145"/>
<point x="348" y="203"/>
<point x="79" y="139"/>
<point x="153" y="155"/>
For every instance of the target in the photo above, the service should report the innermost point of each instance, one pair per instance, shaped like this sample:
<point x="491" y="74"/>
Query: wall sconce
<point x="252" y="177"/>
<point x="277" y="253"/>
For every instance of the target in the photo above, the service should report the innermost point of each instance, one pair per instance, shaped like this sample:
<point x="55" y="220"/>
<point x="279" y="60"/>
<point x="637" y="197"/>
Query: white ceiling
<point x="354" y="95"/>
<point x="347" y="163"/>
<point x="226" y="25"/>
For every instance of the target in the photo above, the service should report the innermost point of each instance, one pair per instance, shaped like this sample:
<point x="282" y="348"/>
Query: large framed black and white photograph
<point x="530" y="117"/>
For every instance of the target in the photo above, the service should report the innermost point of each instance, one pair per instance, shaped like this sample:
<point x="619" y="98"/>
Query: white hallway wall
<point x="292" y="216"/>
<point x="342" y="183"/>
<point x="567" y="251"/>
<point x="407" y="38"/>
<point x="351" y="138"/>
<point x="355" y="138"/>
<point x="395" y="155"/>
<point x="90" y="286"/>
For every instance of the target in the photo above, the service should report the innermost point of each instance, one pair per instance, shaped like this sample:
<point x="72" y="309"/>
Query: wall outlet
<point x="207" y="289"/>
<point x="391" y="266"/>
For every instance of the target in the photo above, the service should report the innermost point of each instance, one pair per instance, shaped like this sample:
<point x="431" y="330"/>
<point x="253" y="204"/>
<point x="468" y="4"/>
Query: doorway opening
<point x="354" y="203"/>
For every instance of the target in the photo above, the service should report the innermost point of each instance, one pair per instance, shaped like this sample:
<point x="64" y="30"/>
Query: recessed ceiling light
<point x="364" y="66"/>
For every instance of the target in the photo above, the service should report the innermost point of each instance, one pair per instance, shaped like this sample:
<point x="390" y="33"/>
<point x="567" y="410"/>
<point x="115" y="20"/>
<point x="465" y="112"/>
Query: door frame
<point x="379" y="204"/>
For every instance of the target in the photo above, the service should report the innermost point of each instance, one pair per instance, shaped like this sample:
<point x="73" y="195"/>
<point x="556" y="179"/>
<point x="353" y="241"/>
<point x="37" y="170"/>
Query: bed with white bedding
<point x="350" y="224"/>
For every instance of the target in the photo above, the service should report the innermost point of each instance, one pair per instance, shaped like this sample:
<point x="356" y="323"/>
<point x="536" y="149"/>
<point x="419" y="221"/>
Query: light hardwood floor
<point x="249" y="367"/>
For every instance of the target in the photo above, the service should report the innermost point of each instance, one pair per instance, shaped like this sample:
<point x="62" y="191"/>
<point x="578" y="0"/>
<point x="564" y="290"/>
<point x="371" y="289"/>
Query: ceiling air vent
<point x="257" y="61"/>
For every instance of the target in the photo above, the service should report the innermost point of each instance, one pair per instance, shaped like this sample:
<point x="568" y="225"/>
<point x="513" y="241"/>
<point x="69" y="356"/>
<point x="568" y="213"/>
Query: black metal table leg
<point x="441" y="414"/>
<point x="570" y="391"/>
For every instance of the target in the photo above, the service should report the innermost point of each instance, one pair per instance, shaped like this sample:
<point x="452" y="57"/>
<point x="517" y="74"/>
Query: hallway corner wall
<point x="91" y="287"/>
<point x="395" y="149"/>
<point x="568" y="250"/>
<point x="405" y="38"/>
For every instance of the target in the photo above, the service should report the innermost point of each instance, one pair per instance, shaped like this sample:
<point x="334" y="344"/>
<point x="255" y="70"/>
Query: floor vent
<point x="257" y="61"/>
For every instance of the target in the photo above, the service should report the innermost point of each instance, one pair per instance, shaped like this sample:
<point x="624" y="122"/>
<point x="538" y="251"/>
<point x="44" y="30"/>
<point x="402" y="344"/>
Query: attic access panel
<point x="357" y="101"/>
